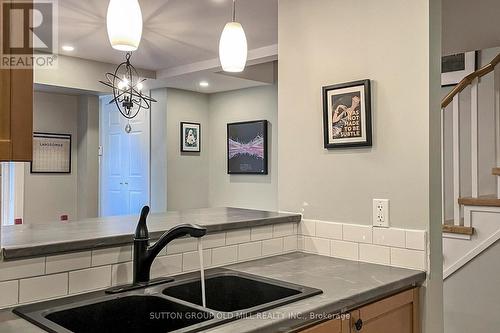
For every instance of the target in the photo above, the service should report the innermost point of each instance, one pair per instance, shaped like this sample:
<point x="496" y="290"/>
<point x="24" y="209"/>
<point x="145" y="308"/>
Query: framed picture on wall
<point x="51" y="153"/>
<point x="247" y="147"/>
<point x="455" y="67"/>
<point x="190" y="137"/>
<point x="347" y="120"/>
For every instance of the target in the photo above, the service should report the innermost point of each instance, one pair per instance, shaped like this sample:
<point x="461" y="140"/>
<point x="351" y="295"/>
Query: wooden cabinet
<point x="395" y="314"/>
<point x="16" y="114"/>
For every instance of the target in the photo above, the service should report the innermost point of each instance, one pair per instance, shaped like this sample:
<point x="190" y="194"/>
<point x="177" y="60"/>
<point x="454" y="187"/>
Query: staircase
<point x="475" y="222"/>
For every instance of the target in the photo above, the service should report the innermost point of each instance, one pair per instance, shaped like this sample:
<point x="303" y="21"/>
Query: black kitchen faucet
<point x="145" y="254"/>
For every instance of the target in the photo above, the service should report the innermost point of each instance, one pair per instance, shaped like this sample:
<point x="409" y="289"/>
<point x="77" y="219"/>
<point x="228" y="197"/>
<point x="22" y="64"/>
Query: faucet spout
<point x="144" y="254"/>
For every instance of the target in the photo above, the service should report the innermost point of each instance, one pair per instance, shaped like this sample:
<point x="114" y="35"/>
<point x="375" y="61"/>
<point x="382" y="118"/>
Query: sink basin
<point x="173" y="306"/>
<point x="235" y="291"/>
<point x="129" y="314"/>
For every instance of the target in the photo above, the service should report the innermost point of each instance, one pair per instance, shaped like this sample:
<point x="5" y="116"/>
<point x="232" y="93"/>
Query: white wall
<point x="246" y="191"/>
<point x="471" y="294"/>
<point x="396" y="44"/>
<point x="486" y="114"/>
<point x="46" y="197"/>
<point x="187" y="173"/>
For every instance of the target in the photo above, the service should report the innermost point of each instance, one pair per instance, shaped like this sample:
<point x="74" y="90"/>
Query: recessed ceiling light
<point x="204" y="84"/>
<point x="68" y="48"/>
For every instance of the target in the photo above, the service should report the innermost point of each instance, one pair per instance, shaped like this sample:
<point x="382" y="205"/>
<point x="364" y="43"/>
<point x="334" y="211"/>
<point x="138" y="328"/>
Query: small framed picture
<point x="51" y="153"/>
<point x="190" y="137"/>
<point x="455" y="67"/>
<point x="347" y="120"/>
<point x="247" y="147"/>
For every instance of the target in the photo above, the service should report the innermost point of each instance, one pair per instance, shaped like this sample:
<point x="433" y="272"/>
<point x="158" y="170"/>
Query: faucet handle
<point x="141" y="232"/>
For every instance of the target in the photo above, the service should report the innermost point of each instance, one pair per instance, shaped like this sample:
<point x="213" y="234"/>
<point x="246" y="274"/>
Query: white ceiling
<point x="175" y="33"/>
<point x="470" y="25"/>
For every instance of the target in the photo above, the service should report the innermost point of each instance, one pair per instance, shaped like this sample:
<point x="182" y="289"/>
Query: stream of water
<point x="202" y="273"/>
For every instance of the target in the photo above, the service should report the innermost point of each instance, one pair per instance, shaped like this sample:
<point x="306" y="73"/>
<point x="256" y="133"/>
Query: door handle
<point x="358" y="325"/>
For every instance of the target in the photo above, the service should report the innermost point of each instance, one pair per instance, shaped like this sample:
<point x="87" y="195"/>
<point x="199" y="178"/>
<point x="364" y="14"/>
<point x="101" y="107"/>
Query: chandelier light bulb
<point x="139" y="86"/>
<point x="124" y="23"/>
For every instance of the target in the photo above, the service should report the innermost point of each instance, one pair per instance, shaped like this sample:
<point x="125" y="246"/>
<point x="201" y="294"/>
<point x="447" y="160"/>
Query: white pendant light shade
<point x="233" y="48"/>
<point x="124" y="22"/>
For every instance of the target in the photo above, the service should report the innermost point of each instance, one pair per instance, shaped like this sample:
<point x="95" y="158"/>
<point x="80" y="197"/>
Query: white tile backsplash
<point x="272" y="246"/>
<point x="57" y="276"/>
<point x="182" y="245"/>
<point x="389" y="237"/>
<point x="290" y="243"/>
<point x="43" y="287"/>
<point x="9" y="292"/>
<point x="111" y="255"/>
<point x="191" y="260"/>
<point x="260" y="233"/>
<point x="408" y="258"/>
<point x="224" y="255"/>
<point x="250" y="250"/>
<point x="328" y="230"/>
<point x="121" y="273"/>
<point x="166" y="265"/>
<point x="67" y="262"/>
<point x="317" y="245"/>
<point x="307" y="228"/>
<point x="237" y="236"/>
<point x="213" y="240"/>
<point x="17" y="269"/>
<point x="415" y="239"/>
<point x="375" y="254"/>
<point x="283" y="229"/>
<point x="89" y="279"/>
<point x="357" y="233"/>
<point x="344" y="250"/>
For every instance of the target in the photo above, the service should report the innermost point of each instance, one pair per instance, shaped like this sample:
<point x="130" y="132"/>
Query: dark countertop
<point x="346" y="285"/>
<point x="21" y="241"/>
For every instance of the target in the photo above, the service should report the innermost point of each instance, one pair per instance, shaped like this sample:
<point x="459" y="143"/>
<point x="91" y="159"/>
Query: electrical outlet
<point x="381" y="213"/>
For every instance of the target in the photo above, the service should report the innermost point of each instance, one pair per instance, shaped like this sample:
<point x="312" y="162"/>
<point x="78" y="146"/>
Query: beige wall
<point x="197" y="180"/>
<point x="246" y="191"/>
<point x="187" y="173"/>
<point x="88" y="162"/>
<point x="397" y="45"/>
<point x="339" y="185"/>
<point x="46" y="197"/>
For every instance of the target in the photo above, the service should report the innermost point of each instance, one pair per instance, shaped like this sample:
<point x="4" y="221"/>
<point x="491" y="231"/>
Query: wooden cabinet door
<point x="5" y="144"/>
<point x="330" y="326"/>
<point x="395" y="314"/>
<point x="16" y="113"/>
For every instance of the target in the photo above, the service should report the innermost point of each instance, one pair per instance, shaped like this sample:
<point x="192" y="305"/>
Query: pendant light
<point x="124" y="22"/>
<point x="233" y="46"/>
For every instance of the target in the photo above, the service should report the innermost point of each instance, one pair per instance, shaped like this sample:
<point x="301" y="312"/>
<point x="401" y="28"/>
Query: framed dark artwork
<point x="51" y="153"/>
<point x="247" y="147"/>
<point x="190" y="137"/>
<point x="347" y="120"/>
<point x="455" y="67"/>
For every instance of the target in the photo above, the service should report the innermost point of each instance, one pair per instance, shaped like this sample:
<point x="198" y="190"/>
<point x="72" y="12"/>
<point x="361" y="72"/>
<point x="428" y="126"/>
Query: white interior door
<point x="124" y="161"/>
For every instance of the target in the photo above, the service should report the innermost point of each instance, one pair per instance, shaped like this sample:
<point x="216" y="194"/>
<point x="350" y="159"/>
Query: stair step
<point x="450" y="228"/>
<point x="484" y="200"/>
<point x="496" y="171"/>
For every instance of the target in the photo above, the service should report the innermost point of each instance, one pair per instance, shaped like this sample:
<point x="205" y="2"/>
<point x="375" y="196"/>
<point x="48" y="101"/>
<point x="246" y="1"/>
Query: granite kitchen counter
<point x="346" y="285"/>
<point x="21" y="241"/>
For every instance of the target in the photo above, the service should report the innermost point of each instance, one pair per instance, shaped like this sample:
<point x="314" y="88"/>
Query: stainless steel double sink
<point x="174" y="306"/>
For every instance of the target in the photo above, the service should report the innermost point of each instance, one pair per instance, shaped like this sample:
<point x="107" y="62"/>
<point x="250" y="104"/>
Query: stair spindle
<point x="456" y="159"/>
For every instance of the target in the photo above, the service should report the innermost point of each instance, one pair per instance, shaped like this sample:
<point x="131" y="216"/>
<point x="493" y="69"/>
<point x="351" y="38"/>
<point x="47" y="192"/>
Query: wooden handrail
<point x="468" y="80"/>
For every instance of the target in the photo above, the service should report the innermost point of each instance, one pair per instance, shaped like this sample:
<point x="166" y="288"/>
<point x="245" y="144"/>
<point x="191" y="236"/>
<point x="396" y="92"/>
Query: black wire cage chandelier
<point x="127" y="89"/>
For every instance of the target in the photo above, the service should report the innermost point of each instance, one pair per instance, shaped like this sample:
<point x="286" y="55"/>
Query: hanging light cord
<point x="234" y="10"/>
